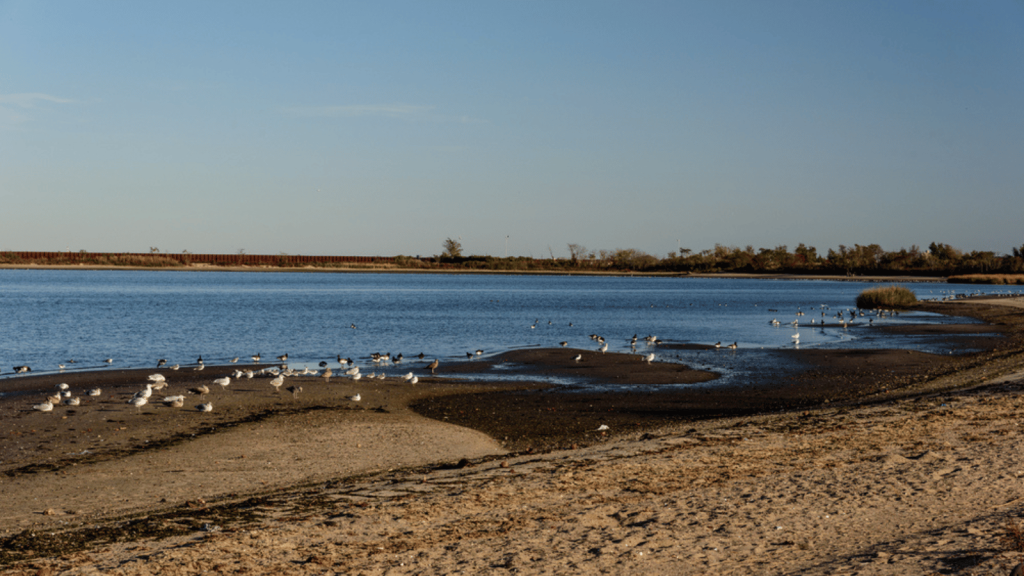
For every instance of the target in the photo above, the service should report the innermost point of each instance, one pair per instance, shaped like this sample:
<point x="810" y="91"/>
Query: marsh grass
<point x="986" y="279"/>
<point x="886" y="297"/>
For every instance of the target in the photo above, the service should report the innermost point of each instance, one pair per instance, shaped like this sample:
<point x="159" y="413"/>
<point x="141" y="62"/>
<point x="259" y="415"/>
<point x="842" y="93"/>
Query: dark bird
<point x="433" y="366"/>
<point x="160" y="362"/>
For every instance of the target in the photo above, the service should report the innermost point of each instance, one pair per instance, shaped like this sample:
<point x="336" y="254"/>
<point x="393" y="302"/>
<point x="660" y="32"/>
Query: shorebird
<point x="156" y="378"/>
<point x="603" y="348"/>
<point x="95" y="392"/>
<point x="578" y="358"/>
<point x="327" y="375"/>
<point x="409" y="376"/>
<point x="733" y="346"/>
<point x="201" y="390"/>
<point x="357" y="376"/>
<point x="44" y="407"/>
<point x="61" y="366"/>
<point x="21" y="369"/>
<point x="176" y="366"/>
<point x="72" y="401"/>
<point x="207" y="407"/>
<point x="355" y="398"/>
<point x="283" y="357"/>
<point x="234" y="360"/>
<point x="563" y="344"/>
<point x="109" y="360"/>
<point x="138" y="402"/>
<point x="62" y="386"/>
<point x="223" y="381"/>
<point x="175" y="401"/>
<point x="433" y="365"/>
<point x="276" y="383"/>
<point x="479" y="352"/>
<point x="256" y="358"/>
<point x="352" y="371"/>
<point x="160" y="362"/>
<point x="294" y="390"/>
<point x="649" y="358"/>
<point x="414" y="379"/>
<point x="469" y="355"/>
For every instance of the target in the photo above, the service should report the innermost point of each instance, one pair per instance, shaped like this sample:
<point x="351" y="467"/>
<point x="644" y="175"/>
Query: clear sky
<point x="381" y="128"/>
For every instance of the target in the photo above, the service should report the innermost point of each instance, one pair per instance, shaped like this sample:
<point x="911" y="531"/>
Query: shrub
<point x="886" y="297"/>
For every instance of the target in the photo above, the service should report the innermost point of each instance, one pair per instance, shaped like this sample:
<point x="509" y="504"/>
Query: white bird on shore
<point x="138" y="402"/>
<point x="207" y="407"/>
<point x="72" y="401"/>
<point x="175" y="401"/>
<point x="649" y="358"/>
<point x="602" y="428"/>
<point x="95" y="392"/>
<point x="156" y="378"/>
<point x="409" y="376"/>
<point x="414" y="380"/>
<point x="223" y="382"/>
<point x="578" y="358"/>
<point x="357" y="376"/>
<point x="603" y="348"/>
<point x="176" y="366"/>
<point x="145" y="392"/>
<point x="201" y="390"/>
<point x="62" y="386"/>
<point x="352" y="371"/>
<point x="355" y="398"/>
<point x="44" y="407"/>
<point x="277" y="383"/>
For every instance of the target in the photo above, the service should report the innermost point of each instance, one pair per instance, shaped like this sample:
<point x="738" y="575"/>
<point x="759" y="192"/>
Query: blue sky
<point x="381" y="128"/>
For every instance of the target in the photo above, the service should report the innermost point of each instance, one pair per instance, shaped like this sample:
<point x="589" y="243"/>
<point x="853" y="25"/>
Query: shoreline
<point x="391" y="270"/>
<point x="181" y="495"/>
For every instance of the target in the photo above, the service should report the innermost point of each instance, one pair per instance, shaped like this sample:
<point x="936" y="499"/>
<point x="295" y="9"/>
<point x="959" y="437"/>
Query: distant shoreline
<point x="395" y="270"/>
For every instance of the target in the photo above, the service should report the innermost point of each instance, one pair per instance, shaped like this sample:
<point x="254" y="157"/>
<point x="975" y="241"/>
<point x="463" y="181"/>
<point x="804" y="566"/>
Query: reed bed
<point x="888" y="297"/>
<point x="986" y="279"/>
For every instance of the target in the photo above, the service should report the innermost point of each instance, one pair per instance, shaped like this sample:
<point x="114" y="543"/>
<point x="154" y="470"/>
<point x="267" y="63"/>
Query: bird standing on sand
<point x="649" y="358"/>
<point x="294" y="390"/>
<point x="223" y="381"/>
<point x="161" y="362"/>
<point x="277" y="383"/>
<point x="414" y="379"/>
<point x="207" y="407"/>
<point x="138" y="402"/>
<point x="603" y="348"/>
<point x="256" y="358"/>
<point x="327" y="375"/>
<point x="433" y="365"/>
<point x="578" y="358"/>
<point x="201" y="390"/>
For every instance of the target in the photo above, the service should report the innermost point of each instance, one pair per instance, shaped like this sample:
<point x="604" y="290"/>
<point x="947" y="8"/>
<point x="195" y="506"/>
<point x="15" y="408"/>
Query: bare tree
<point x="576" y="251"/>
<point x="452" y="248"/>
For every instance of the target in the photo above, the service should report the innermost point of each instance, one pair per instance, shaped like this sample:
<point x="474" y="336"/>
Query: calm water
<point x="136" y="317"/>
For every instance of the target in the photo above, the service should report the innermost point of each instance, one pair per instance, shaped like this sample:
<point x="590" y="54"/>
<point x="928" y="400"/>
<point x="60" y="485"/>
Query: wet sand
<point x="517" y="477"/>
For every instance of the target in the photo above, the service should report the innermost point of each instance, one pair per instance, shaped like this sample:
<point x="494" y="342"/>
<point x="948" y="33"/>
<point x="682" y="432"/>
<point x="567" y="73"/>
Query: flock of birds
<point x="348" y="368"/>
<point x="157" y="382"/>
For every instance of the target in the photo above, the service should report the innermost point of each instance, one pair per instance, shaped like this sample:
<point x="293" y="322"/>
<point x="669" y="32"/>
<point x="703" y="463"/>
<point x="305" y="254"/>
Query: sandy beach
<point x="880" y="462"/>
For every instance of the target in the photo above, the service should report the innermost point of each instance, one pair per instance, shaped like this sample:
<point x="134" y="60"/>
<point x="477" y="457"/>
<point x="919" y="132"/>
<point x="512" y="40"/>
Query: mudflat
<point x="878" y="461"/>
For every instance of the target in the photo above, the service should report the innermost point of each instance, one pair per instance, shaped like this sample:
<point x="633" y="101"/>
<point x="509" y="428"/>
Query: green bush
<point x="886" y="297"/>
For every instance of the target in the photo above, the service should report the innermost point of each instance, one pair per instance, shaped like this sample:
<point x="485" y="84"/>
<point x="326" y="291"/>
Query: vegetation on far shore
<point x="886" y="297"/>
<point x="871" y="260"/>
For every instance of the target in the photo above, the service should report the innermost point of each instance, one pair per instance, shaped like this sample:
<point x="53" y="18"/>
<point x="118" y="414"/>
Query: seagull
<point x="355" y="398"/>
<point x="603" y="348"/>
<point x="649" y="358"/>
<point x="176" y="366"/>
<point x="201" y="390"/>
<point x="95" y="392"/>
<point x="138" y="402"/>
<point x="433" y="366"/>
<point x="352" y="371"/>
<point x="156" y="378"/>
<point x="200" y="367"/>
<point x="234" y="360"/>
<point x="409" y="376"/>
<point x="414" y="379"/>
<point x="145" y="392"/>
<point x="223" y="381"/>
<point x="44" y="407"/>
<point x="175" y="401"/>
<point x="72" y="401"/>
<point x="602" y="428"/>
<point x="357" y="376"/>
<point x="63" y="386"/>
<point x="578" y="358"/>
<point x="276" y="383"/>
<point x="327" y="375"/>
<point x="207" y="407"/>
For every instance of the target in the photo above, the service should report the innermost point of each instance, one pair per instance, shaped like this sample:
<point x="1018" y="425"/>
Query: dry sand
<point x="924" y="480"/>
